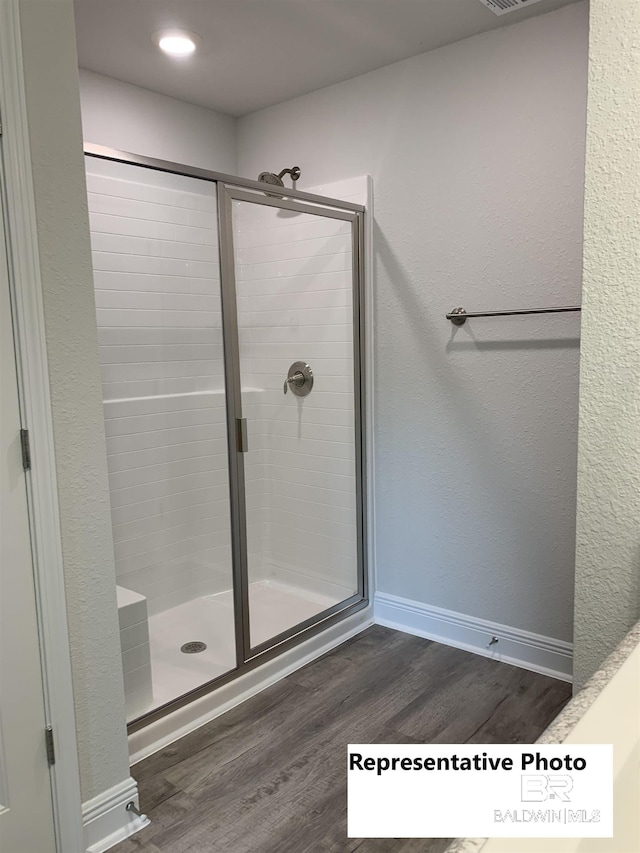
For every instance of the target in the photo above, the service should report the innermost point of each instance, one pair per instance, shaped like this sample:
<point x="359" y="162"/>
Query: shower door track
<point x="231" y="188"/>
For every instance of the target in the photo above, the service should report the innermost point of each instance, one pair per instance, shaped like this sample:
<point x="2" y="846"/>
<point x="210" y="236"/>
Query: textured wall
<point x="129" y="118"/>
<point x="608" y="528"/>
<point x="476" y="152"/>
<point x="48" y="41"/>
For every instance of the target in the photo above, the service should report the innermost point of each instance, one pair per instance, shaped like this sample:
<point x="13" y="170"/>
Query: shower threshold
<point x="274" y="607"/>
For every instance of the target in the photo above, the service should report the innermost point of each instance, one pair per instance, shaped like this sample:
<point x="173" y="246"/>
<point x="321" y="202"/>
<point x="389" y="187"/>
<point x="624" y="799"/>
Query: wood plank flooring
<point x="269" y="776"/>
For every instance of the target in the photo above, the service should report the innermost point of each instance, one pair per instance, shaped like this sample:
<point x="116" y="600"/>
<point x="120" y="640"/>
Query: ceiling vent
<point x="501" y="7"/>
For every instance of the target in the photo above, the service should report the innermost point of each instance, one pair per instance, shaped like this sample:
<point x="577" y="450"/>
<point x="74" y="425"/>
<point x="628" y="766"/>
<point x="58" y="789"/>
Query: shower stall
<point x="231" y="337"/>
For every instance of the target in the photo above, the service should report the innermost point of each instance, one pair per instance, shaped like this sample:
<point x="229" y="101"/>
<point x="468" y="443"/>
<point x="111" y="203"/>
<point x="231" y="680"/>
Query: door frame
<point x="227" y="194"/>
<point x="228" y="188"/>
<point x="35" y="414"/>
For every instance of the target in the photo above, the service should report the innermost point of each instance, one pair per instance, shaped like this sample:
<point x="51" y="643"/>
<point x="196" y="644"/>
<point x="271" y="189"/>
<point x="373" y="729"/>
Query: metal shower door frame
<point x="228" y="189"/>
<point x="227" y="194"/>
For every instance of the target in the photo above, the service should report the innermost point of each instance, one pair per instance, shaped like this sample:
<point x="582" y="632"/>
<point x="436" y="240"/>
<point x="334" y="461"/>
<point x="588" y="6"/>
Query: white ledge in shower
<point x="216" y="391"/>
<point x="136" y="652"/>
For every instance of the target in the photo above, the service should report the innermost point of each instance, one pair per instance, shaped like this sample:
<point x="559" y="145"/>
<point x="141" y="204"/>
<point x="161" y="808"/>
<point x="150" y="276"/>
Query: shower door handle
<point x="242" y="437"/>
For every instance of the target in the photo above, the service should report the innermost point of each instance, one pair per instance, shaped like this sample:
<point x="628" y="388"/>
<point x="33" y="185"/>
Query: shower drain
<point x="193" y="647"/>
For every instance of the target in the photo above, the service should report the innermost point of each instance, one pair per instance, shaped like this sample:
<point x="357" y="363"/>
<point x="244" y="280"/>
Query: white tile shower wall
<point x="156" y="272"/>
<point x="294" y="283"/>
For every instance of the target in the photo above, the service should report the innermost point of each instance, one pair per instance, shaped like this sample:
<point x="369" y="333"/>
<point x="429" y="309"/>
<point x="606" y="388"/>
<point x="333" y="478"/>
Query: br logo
<point x="537" y="788"/>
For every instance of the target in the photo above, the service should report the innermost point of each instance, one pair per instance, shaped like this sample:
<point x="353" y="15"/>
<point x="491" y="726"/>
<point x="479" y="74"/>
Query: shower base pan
<point x="209" y="620"/>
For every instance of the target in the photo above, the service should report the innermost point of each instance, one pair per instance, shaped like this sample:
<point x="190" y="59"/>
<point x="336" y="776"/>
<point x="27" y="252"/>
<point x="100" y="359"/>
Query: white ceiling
<point x="255" y="53"/>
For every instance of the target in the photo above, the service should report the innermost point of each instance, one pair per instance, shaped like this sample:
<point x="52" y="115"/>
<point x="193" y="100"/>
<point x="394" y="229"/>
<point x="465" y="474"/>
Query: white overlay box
<point x="480" y="790"/>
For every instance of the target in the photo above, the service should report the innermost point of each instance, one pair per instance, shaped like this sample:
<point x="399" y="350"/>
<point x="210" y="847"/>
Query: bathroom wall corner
<point x="48" y="41"/>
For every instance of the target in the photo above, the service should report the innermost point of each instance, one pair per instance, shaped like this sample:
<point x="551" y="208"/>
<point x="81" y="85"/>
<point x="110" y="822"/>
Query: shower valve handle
<point x="297" y="379"/>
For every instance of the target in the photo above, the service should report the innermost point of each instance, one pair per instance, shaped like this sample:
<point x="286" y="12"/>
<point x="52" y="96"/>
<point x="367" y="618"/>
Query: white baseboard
<point x="106" y="820"/>
<point x="162" y="732"/>
<point x="519" y="648"/>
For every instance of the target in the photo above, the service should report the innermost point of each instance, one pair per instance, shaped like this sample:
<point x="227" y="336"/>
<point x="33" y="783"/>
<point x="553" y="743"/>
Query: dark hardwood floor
<point x="270" y="775"/>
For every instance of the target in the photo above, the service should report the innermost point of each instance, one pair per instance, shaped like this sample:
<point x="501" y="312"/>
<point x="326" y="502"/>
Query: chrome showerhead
<point x="270" y="178"/>
<point x="276" y="180"/>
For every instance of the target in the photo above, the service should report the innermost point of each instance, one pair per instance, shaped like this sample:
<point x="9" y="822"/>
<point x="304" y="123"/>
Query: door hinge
<point x="51" y="750"/>
<point x="26" y="449"/>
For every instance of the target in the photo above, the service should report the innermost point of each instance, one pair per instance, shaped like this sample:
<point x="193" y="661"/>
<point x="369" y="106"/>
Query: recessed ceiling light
<point x="179" y="43"/>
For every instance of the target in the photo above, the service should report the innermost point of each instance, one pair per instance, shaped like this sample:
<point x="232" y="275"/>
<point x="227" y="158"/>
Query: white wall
<point x="608" y="534"/>
<point x="477" y="157"/>
<point x="48" y="42"/>
<point x="136" y="120"/>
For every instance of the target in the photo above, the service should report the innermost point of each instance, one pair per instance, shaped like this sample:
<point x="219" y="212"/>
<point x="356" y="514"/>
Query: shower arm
<point x="295" y="173"/>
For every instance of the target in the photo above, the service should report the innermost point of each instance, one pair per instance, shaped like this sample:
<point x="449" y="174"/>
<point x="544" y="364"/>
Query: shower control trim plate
<point x="299" y="379"/>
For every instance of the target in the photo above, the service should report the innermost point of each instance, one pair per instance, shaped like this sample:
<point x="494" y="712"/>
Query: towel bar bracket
<point x="458" y="316"/>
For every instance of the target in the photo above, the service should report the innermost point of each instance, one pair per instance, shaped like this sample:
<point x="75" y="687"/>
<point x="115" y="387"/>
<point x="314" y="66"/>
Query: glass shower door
<point x="297" y="296"/>
<point x="156" y="266"/>
<point x="231" y="334"/>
